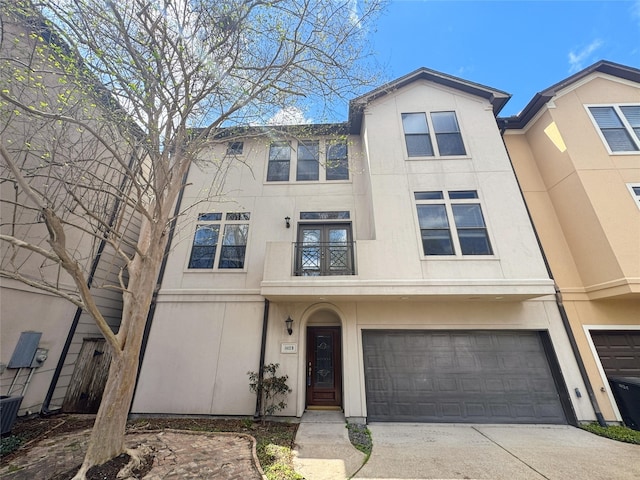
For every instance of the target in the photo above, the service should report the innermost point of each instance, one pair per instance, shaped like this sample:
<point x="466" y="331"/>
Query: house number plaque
<point x="288" y="348"/>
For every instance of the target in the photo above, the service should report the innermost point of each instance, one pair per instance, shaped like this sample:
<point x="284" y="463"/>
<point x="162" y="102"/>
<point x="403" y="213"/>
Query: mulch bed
<point x="32" y="430"/>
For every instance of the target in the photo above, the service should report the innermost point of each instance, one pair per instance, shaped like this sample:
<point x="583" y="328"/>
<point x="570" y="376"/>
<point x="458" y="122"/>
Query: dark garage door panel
<point x="461" y="376"/>
<point x="619" y="352"/>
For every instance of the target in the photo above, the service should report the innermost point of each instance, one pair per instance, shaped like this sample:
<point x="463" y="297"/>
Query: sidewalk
<point x="322" y="449"/>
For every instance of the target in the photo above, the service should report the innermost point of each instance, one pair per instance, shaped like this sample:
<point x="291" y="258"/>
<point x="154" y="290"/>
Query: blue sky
<point x="521" y="47"/>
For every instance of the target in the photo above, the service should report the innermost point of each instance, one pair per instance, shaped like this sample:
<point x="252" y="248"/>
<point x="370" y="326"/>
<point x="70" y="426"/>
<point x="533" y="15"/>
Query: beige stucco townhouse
<point x="576" y="152"/>
<point x="398" y="244"/>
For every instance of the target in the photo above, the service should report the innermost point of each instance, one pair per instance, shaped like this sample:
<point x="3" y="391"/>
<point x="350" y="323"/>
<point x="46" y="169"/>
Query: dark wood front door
<point x="324" y="367"/>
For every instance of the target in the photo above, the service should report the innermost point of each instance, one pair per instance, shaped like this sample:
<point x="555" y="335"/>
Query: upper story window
<point x="619" y="125"/>
<point x="418" y="138"/>
<point x="452" y="222"/>
<point x="235" y="148"/>
<point x="634" y="188"/>
<point x="308" y="157"/>
<point x="207" y="249"/>
<point x="308" y="160"/>
<point x="279" y="162"/>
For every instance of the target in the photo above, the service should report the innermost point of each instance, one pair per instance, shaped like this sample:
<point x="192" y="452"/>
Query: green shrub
<point x="270" y="388"/>
<point x="9" y="444"/>
<point x="614" y="432"/>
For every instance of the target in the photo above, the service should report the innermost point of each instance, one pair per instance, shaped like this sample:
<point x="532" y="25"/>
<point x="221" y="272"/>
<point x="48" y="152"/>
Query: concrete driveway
<point x="496" y="452"/>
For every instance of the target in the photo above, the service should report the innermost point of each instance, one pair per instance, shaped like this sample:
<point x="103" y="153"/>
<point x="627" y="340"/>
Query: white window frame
<point x="222" y="223"/>
<point x="323" y="149"/>
<point x="627" y="126"/>
<point x="433" y="136"/>
<point x="453" y="228"/>
<point x="636" y="195"/>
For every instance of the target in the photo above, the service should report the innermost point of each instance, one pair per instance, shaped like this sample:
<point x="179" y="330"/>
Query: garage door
<point x="459" y="376"/>
<point x="619" y="352"/>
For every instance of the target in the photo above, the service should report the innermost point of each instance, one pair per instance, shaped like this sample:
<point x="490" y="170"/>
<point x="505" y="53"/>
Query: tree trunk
<point x="107" y="437"/>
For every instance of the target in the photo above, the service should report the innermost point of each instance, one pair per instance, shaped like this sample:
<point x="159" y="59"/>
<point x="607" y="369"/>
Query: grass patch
<point x="277" y="462"/>
<point x="360" y="437"/>
<point x="614" y="432"/>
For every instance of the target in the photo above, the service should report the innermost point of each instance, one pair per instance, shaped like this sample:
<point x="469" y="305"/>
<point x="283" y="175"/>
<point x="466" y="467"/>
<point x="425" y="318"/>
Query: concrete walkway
<point x="322" y="448"/>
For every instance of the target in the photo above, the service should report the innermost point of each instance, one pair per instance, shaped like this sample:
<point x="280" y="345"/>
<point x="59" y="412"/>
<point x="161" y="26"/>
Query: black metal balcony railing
<point x="322" y="259"/>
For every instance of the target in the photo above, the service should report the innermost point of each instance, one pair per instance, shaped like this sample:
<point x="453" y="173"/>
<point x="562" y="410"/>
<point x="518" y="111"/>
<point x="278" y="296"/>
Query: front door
<point x="324" y="367"/>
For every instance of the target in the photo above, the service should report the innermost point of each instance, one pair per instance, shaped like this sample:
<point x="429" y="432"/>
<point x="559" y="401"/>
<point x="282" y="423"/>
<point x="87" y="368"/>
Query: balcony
<point x="317" y="271"/>
<point x="323" y="259"/>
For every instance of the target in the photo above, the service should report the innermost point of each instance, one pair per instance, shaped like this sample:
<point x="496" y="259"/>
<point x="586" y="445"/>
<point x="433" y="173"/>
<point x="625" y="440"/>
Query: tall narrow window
<point x="337" y="162"/>
<point x="448" y="138"/>
<point x="231" y="254"/>
<point x="279" y="162"/>
<point x="619" y="127"/>
<point x="308" y="164"/>
<point x="416" y="135"/>
<point x="205" y="241"/>
<point x="467" y="233"/>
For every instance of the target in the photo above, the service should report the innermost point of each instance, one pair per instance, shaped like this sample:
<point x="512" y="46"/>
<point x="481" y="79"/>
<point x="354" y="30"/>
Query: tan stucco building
<point x="576" y="151"/>
<point x="400" y="246"/>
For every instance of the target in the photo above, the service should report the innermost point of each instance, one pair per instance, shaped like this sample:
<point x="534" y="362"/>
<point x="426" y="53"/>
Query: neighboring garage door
<point x="619" y="352"/>
<point x="459" y="376"/>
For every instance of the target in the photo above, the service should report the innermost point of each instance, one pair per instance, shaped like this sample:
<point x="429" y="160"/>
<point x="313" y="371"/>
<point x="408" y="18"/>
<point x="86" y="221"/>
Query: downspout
<point x="263" y="344"/>
<point x="558" y="296"/>
<point x="163" y="268"/>
<point x="45" y="410"/>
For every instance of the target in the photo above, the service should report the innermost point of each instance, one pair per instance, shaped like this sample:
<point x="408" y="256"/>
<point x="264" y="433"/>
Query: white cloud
<point x="635" y="10"/>
<point x="289" y="116"/>
<point x="577" y="59"/>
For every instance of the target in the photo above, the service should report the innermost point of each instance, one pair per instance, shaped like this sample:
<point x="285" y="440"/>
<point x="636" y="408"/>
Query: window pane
<point x="419" y="146"/>
<point x="632" y="114"/>
<point x="278" y="172"/>
<point x="206" y="235"/>
<point x="235" y="148"/>
<point x="337" y="151"/>
<point x="210" y="217"/>
<point x="337" y="164"/>
<point x="606" y="117"/>
<point x="450" y="144"/>
<point x="619" y="140"/>
<point x="203" y="250"/>
<point x="474" y="242"/>
<point x="234" y="244"/>
<point x="280" y="151"/>
<point x="437" y="242"/>
<point x="308" y="151"/>
<point x="432" y="216"/>
<point x="307" y="170"/>
<point x="636" y="190"/>
<point x="428" y="195"/>
<point x="466" y="216"/>
<point x="456" y="195"/>
<point x="238" y="216"/>
<point x="338" y="235"/>
<point x="444" y="122"/>
<point x="202" y="257"/>
<point x="232" y="256"/>
<point x="414" y="123"/>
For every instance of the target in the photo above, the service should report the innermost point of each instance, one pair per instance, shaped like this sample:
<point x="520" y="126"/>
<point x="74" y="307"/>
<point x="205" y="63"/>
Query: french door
<point x="324" y="249"/>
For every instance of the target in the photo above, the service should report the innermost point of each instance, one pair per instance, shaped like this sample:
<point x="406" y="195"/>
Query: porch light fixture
<point x="287" y="221"/>
<point x="289" y="323"/>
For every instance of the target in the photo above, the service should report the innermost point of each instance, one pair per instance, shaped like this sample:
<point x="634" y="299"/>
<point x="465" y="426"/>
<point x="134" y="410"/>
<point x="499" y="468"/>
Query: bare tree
<point x="104" y="106"/>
